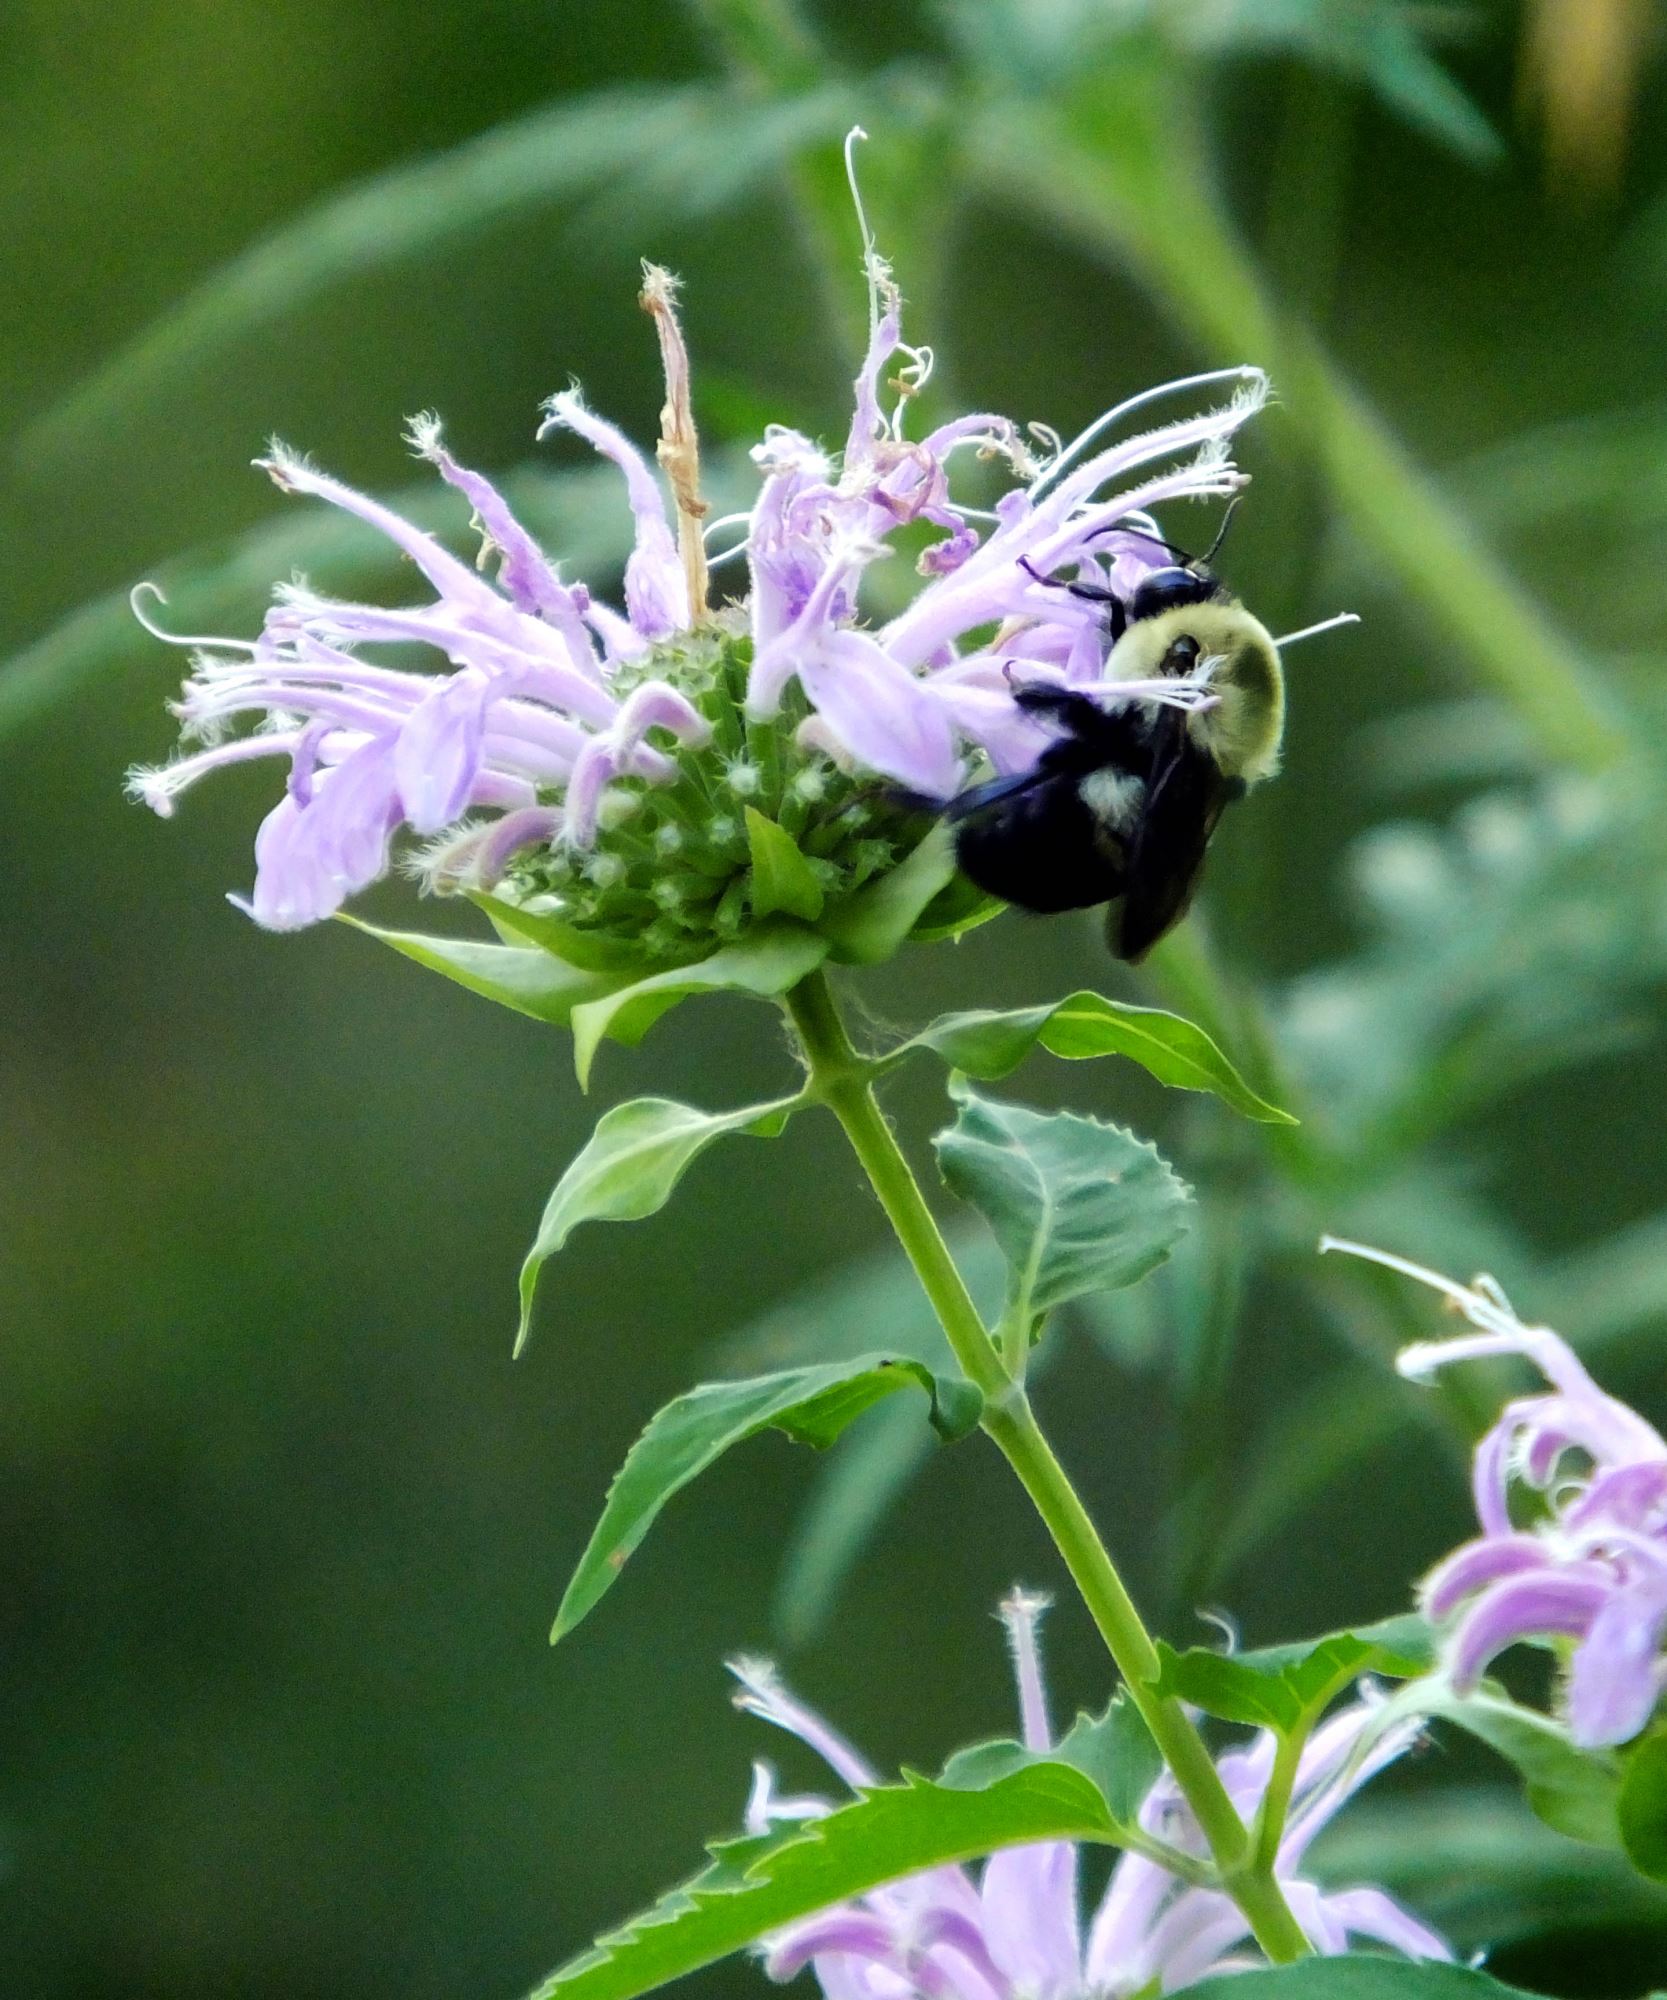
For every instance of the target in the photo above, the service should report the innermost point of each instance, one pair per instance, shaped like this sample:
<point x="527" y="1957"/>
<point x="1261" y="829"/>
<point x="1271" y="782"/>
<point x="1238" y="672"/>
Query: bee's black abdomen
<point x="1041" y="848"/>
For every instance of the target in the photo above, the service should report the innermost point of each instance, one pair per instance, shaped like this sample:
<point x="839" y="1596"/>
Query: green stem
<point x="843" y="1080"/>
<point x="1276" y="1800"/>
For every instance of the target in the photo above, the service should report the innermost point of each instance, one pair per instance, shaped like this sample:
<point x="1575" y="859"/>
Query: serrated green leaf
<point x="1575" y="1791"/>
<point x="1641" y="1810"/>
<point x="991" y="1045"/>
<point x="527" y="980"/>
<point x="756" y="1886"/>
<point x="628" y="1168"/>
<point x="1289" y="1688"/>
<point x="873" y="924"/>
<point x="765" y="963"/>
<point x="1356" y="1977"/>
<point x="812" y="1405"/>
<point x="1405" y="1646"/>
<point x="1076" y="1205"/>
<point x="1114" y="1749"/>
<point x="783" y="881"/>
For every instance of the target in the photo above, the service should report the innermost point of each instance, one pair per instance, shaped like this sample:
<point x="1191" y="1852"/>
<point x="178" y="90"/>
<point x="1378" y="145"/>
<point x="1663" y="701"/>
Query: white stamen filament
<point x="1101" y="424"/>
<point x="870" y="256"/>
<point x="141" y="591"/>
<point x="1461" y="1295"/>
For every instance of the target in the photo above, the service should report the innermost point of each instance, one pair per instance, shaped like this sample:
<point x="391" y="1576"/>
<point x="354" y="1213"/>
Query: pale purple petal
<point x="762" y="1694"/>
<point x="1028" y="1903"/>
<point x="524" y="572"/>
<point x="775" y="664"/>
<point x="437" y="756"/>
<point x="1191" y="1935"/>
<point x="1322" y="1926"/>
<point x="1369" y="1913"/>
<point x="867" y="420"/>
<point x="1137" y="1891"/>
<point x="451" y="578"/>
<point x="621" y="750"/>
<point x="1523" y="1607"/>
<point x="986" y="715"/>
<point x="1490" y="1480"/>
<point x="530" y="826"/>
<point x="953" y="1930"/>
<point x="765" y="1805"/>
<point x="309" y="860"/>
<point x="1021" y="1616"/>
<point x="1634" y="1494"/>
<point x="656" y="591"/>
<point x="846" y="1978"/>
<point x="1477" y="1563"/>
<point x="1615" y="1678"/>
<point x="846" y="1931"/>
<point x="786" y="552"/>
<point x="890" y="721"/>
<point x="157" y="786"/>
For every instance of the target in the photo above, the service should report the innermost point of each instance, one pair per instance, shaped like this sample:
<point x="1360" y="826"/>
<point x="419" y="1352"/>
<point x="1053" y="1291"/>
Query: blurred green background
<point x="283" y="1529"/>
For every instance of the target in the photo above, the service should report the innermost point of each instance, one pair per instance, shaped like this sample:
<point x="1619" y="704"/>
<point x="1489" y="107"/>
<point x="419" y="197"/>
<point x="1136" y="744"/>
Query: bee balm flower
<point x="1589" y="1572"/>
<point x="1015" y="1932"/>
<point x="604" y="759"/>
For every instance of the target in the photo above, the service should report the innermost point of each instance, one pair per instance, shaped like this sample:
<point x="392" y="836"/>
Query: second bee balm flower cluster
<point x="659" y="778"/>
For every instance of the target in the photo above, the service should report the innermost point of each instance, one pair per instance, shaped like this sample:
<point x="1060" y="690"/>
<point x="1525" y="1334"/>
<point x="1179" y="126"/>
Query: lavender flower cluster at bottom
<point x="1585" y="1569"/>
<point x="1017" y="1929"/>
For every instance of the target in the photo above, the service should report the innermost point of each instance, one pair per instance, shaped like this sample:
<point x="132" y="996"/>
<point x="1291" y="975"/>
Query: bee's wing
<point x="1185" y="797"/>
<point x="977" y="797"/>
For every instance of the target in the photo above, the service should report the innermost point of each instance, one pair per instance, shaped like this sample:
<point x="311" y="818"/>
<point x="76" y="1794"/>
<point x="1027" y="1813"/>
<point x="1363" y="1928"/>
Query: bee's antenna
<point x="1204" y="561"/>
<point x="1144" y="534"/>
<point x="1313" y="631"/>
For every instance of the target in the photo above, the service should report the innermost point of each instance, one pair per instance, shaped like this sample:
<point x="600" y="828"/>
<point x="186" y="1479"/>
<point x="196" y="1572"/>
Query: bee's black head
<point x="1170" y="589"/>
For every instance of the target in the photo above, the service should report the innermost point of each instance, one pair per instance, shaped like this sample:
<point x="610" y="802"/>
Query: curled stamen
<point x="141" y="591"/>
<point x="872" y="264"/>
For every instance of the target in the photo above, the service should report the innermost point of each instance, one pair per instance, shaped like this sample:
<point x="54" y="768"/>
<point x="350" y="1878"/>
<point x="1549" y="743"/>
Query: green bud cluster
<point x="672" y="868"/>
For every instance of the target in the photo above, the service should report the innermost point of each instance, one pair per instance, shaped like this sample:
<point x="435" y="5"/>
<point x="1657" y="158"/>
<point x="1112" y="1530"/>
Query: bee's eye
<point x="1164" y="589"/>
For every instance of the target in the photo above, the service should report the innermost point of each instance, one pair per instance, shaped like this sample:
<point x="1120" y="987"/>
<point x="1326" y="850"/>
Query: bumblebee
<point x="1121" y="806"/>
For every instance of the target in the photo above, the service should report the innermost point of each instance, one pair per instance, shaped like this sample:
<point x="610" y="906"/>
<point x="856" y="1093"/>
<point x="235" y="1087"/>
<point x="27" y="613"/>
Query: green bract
<point x="753" y="826"/>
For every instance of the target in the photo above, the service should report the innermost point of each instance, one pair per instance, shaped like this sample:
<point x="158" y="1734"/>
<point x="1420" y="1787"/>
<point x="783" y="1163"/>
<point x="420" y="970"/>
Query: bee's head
<point x="1241" y="729"/>
<point x="1173" y="589"/>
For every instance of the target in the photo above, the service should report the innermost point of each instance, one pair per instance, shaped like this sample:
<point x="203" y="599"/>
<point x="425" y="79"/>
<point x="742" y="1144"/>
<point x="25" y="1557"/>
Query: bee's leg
<point x="1048" y="702"/>
<point x="1117" y="612"/>
<point x="1093" y="736"/>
